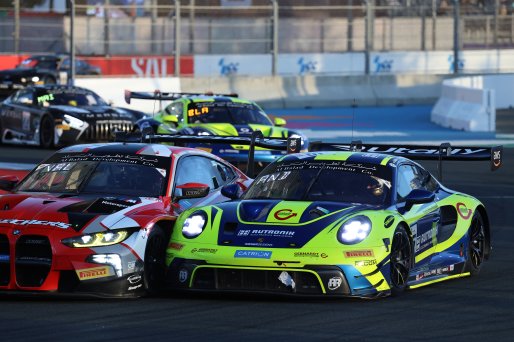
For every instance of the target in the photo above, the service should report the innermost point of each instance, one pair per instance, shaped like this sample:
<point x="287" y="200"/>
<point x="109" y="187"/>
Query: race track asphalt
<point x="470" y="309"/>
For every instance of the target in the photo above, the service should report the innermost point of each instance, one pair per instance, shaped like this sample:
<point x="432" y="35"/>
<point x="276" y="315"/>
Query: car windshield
<point x="226" y="112"/>
<point x="99" y="177"/>
<point x="68" y="97"/>
<point x="323" y="180"/>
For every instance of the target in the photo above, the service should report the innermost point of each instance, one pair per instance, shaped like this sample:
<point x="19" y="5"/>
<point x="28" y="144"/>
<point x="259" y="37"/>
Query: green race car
<point x="217" y="115"/>
<point x="346" y="223"/>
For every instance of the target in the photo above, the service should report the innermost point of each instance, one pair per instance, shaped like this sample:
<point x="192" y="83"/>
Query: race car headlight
<point x="107" y="259"/>
<point x="194" y="225"/>
<point x="73" y="121"/>
<point x="354" y="230"/>
<point x="101" y="239"/>
<point x="204" y="133"/>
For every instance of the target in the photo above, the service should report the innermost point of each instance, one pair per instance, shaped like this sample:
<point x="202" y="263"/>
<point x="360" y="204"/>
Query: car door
<point x="17" y="114"/>
<point x="201" y="169"/>
<point x="423" y="219"/>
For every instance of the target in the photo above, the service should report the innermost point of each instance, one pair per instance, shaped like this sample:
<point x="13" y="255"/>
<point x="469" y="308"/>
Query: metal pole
<point x="496" y="8"/>
<point x="16" y="32"/>
<point x="106" y="27"/>
<point x="154" y="26"/>
<point x="434" y="18"/>
<point x="71" y="75"/>
<point x="456" y="20"/>
<point x="192" y="27"/>
<point x="423" y="28"/>
<point x="349" y="35"/>
<point x="368" y="34"/>
<point x="274" y="38"/>
<point x="177" y="38"/>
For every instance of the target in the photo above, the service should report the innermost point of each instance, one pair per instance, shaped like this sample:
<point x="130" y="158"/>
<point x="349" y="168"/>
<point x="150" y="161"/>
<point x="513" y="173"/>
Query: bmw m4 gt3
<point x="95" y="219"/>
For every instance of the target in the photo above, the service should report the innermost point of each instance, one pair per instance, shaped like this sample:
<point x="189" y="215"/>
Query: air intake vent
<point x="33" y="260"/>
<point x="4" y="261"/>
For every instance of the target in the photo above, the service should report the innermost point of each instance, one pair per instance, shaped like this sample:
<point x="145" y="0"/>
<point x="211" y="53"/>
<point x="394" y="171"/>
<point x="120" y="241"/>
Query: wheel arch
<point x="487" y="230"/>
<point x="405" y="225"/>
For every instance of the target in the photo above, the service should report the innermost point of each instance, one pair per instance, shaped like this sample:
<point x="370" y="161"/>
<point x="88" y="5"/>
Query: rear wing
<point x="422" y="152"/>
<point x="166" y="96"/>
<point x="291" y="145"/>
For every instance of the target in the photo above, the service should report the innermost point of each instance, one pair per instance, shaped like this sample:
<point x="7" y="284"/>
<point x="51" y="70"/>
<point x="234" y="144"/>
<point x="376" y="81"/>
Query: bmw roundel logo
<point x="16" y="232"/>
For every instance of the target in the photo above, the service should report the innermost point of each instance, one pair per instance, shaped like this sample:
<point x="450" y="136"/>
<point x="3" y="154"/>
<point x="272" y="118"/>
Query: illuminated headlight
<point x="73" y="121"/>
<point x="107" y="259"/>
<point x="35" y="79"/>
<point x="354" y="230"/>
<point x="107" y="238"/>
<point x="194" y="225"/>
<point x="23" y="80"/>
<point x="204" y="133"/>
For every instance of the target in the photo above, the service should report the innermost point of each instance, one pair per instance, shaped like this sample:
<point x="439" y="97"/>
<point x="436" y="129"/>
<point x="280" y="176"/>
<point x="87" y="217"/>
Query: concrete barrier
<point x="470" y="103"/>
<point x="283" y="92"/>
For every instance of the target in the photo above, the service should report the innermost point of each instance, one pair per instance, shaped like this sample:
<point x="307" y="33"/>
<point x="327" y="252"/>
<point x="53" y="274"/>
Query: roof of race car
<point x="355" y="157"/>
<point x="157" y="150"/>
<point x="216" y="98"/>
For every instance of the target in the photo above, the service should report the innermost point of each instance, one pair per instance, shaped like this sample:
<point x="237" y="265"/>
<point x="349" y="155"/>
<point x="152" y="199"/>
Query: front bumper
<point x="320" y="280"/>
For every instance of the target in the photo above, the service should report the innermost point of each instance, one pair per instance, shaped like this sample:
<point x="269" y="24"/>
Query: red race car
<point x="96" y="219"/>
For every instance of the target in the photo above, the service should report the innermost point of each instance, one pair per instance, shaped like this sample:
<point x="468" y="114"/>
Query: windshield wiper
<point x="306" y="193"/>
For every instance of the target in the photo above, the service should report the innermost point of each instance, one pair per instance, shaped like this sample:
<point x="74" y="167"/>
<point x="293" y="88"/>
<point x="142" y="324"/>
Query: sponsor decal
<point x="389" y="220"/>
<point x="134" y="279"/>
<point x="198" y="111"/>
<point x="366" y="262"/>
<point x="277" y="176"/>
<point x="383" y="66"/>
<point x="228" y="68"/>
<point x="497" y="158"/>
<point x="463" y="211"/>
<point x="131" y="265"/>
<point x="175" y="245"/>
<point x="284" y="214"/>
<point x="45" y="98"/>
<point x="307" y="66"/>
<point x="61" y="225"/>
<point x="265" y="232"/>
<point x="309" y="255"/>
<point x="252" y="254"/>
<point x="405" y="150"/>
<point x="132" y="288"/>
<point x="334" y="283"/>
<point x="363" y="253"/>
<point x="426" y="239"/>
<point x="258" y="244"/>
<point x="437" y="271"/>
<point x="93" y="273"/>
<point x="182" y="275"/>
<point x="204" y="250"/>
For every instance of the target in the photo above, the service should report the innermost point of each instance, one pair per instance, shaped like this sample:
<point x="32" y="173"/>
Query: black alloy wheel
<point x="401" y="260"/>
<point x="154" y="269"/>
<point x="476" y="245"/>
<point x="46" y="132"/>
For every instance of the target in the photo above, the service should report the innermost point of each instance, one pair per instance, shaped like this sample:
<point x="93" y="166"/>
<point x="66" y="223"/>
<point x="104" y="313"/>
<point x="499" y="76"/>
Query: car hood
<point x="281" y="224"/>
<point x="227" y="129"/>
<point x="15" y="74"/>
<point x="24" y="211"/>
<point x="95" y="112"/>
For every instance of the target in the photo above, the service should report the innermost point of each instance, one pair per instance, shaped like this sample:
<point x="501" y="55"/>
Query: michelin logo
<point x="252" y="254"/>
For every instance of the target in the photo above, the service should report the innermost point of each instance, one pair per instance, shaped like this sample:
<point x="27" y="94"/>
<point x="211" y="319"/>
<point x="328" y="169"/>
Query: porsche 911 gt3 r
<point x="342" y="223"/>
<point x="216" y="115"/>
<point x="94" y="219"/>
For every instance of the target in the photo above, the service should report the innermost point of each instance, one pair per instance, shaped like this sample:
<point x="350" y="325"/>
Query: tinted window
<point x="69" y="97"/>
<point x="24" y="97"/>
<point x="337" y="181"/>
<point x="198" y="169"/>
<point x="226" y="112"/>
<point x="412" y="177"/>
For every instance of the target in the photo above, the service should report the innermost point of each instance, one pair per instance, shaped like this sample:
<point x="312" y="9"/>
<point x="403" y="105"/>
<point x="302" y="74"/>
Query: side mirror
<point x="231" y="191"/>
<point x="7" y="183"/>
<point x="191" y="190"/>
<point x="418" y="196"/>
<point x="279" y="122"/>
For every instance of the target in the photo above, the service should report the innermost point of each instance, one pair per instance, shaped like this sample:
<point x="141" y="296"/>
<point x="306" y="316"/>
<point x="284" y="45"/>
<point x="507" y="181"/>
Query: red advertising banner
<point x="139" y="66"/>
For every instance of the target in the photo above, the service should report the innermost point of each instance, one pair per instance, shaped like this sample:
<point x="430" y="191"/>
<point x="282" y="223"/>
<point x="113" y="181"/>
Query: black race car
<point x="41" y="69"/>
<point x="51" y="115"/>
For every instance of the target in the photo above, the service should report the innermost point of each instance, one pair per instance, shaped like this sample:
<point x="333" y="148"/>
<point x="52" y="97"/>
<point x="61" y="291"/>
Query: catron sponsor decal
<point x="61" y="225"/>
<point x="284" y="214"/>
<point x="265" y="232"/>
<point x="252" y="254"/>
<point x="463" y="211"/>
<point x="363" y="253"/>
<point x="93" y="273"/>
<point x="310" y="255"/>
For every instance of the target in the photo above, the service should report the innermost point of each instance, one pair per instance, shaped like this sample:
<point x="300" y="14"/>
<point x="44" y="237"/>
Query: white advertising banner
<point x="232" y="65"/>
<point x="318" y="63"/>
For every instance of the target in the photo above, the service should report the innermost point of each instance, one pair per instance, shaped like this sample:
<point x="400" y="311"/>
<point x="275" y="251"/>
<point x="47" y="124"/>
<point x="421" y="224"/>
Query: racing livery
<point x="94" y="219"/>
<point x="55" y="115"/>
<point x="341" y="223"/>
<point x="219" y="115"/>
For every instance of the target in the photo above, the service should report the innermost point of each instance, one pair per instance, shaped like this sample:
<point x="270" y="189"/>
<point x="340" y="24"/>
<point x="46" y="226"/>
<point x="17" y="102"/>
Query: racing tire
<point x="476" y="244"/>
<point x="401" y="260"/>
<point x="46" y="132"/>
<point x="154" y="265"/>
